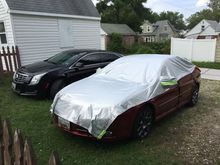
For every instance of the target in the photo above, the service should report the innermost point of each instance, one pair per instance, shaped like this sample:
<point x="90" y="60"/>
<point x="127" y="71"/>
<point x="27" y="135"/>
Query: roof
<point x="162" y="23"/>
<point x="68" y="7"/>
<point x="218" y="28"/>
<point x="117" y="28"/>
<point x="157" y="26"/>
<point x="213" y="24"/>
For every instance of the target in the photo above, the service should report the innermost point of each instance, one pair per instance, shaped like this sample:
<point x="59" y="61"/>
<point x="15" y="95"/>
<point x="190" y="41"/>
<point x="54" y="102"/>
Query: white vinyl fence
<point x="203" y="50"/>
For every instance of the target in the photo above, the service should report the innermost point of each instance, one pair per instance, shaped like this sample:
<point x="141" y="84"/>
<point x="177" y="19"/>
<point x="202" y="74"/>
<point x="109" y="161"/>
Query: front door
<point x="167" y="102"/>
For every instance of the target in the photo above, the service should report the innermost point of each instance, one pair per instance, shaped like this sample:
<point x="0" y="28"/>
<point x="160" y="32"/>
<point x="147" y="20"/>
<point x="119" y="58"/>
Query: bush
<point x="115" y="43"/>
<point x="145" y="50"/>
<point x="166" y="48"/>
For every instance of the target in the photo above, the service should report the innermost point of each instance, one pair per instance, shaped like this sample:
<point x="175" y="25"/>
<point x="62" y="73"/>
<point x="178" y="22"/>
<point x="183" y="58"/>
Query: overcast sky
<point x="186" y="7"/>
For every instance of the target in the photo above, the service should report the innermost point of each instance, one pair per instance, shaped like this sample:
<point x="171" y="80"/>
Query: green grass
<point x="33" y="118"/>
<point x="211" y="65"/>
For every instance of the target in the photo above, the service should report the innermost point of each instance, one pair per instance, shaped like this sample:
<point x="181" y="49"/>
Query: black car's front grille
<point x="21" y="78"/>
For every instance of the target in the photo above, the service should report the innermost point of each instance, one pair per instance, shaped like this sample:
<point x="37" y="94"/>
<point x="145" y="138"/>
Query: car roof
<point x="153" y="59"/>
<point x="87" y="51"/>
<point x="145" y="67"/>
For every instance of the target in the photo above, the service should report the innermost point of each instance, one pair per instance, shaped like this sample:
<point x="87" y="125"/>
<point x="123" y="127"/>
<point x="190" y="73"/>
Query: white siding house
<point x="43" y="28"/>
<point x="206" y="29"/>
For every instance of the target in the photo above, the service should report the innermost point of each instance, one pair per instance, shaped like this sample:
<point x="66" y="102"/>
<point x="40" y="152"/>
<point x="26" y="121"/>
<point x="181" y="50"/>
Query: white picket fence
<point x="202" y="50"/>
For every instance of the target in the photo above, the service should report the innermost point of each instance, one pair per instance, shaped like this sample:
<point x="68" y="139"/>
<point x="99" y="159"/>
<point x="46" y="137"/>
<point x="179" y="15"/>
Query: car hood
<point x="39" y="67"/>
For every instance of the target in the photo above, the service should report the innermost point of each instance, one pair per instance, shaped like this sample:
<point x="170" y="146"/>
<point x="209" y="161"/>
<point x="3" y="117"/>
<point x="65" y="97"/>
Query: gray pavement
<point x="210" y="74"/>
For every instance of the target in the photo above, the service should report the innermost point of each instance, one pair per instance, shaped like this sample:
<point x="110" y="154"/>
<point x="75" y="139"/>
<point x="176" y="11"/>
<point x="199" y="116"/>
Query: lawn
<point x="189" y="136"/>
<point x="211" y="65"/>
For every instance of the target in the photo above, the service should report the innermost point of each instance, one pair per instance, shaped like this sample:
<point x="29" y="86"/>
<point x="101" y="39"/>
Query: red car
<point x="126" y="97"/>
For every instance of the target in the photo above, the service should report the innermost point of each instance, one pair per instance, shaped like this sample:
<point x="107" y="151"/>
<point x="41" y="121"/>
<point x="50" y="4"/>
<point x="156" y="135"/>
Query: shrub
<point x="145" y="50"/>
<point x="115" y="43"/>
<point x="166" y="47"/>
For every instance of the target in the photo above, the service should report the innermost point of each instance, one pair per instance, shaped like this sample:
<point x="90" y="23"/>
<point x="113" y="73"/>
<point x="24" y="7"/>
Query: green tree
<point x="130" y="12"/>
<point x="175" y="18"/>
<point x="214" y="5"/>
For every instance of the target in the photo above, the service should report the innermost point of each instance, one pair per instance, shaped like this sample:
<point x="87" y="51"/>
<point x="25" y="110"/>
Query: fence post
<point x="9" y="59"/>
<point x="54" y="159"/>
<point x="1" y="146"/>
<point x="5" y="58"/>
<point x="29" y="155"/>
<point x="18" y="56"/>
<point x="1" y="65"/>
<point x="18" y="148"/>
<point x="14" y="58"/>
<point x="7" y="143"/>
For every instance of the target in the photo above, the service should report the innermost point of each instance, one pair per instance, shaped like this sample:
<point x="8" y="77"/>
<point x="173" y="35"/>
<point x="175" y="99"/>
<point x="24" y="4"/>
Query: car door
<point x="167" y="102"/>
<point x="186" y="88"/>
<point x="85" y="66"/>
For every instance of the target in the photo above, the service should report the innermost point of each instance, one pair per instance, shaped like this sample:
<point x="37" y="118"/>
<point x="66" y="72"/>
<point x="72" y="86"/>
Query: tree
<point x="130" y="12"/>
<point x="175" y="18"/>
<point x="214" y="5"/>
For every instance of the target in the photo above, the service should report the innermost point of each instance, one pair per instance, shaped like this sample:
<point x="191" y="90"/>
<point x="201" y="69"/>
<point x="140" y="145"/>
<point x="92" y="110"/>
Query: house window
<point x="148" y="28"/>
<point x="203" y="27"/>
<point x="165" y="28"/>
<point x="3" y="38"/>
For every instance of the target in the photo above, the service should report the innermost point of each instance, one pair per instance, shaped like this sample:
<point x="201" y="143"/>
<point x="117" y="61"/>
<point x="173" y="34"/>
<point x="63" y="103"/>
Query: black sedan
<point x="46" y="78"/>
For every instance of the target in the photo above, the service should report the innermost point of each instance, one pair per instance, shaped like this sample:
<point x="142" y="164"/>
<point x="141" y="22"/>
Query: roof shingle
<point x="117" y="28"/>
<point x="69" y="7"/>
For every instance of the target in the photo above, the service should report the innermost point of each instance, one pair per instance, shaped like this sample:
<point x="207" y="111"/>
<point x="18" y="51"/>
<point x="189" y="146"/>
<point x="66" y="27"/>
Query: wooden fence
<point x="9" y="59"/>
<point x="18" y="151"/>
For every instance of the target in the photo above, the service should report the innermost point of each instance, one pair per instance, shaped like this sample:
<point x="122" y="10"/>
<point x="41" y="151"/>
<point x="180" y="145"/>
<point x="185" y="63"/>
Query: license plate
<point x="63" y="123"/>
<point x="13" y="85"/>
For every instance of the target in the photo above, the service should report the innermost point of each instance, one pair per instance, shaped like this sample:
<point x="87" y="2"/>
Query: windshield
<point x="65" y="58"/>
<point x="137" y="68"/>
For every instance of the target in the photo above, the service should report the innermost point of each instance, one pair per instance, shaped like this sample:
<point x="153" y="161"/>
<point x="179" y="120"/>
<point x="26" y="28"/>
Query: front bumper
<point x="25" y="89"/>
<point x="79" y="131"/>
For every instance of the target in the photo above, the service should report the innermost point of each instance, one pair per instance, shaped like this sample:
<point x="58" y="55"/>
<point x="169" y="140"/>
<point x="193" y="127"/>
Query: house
<point x="43" y="28"/>
<point x="128" y="35"/>
<point x="206" y="29"/>
<point x="160" y="31"/>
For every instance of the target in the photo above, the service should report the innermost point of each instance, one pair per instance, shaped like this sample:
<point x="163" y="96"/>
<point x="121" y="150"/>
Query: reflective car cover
<point x="95" y="102"/>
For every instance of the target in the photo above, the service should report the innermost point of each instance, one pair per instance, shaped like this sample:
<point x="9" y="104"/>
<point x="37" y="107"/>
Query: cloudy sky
<point x="186" y="7"/>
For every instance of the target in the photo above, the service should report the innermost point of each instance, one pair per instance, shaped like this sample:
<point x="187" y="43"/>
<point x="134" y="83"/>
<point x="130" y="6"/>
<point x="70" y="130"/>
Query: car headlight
<point x="36" y="79"/>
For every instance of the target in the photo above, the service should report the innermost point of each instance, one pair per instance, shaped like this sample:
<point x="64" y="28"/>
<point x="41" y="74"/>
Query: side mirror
<point x="79" y="65"/>
<point x="168" y="83"/>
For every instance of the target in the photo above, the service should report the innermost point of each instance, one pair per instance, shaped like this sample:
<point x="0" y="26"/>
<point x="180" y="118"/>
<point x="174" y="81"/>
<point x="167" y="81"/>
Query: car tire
<point x="56" y="87"/>
<point x="195" y="96"/>
<point x="143" y="123"/>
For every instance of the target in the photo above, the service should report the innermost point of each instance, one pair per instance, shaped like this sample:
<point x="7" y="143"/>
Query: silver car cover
<point x="95" y="102"/>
